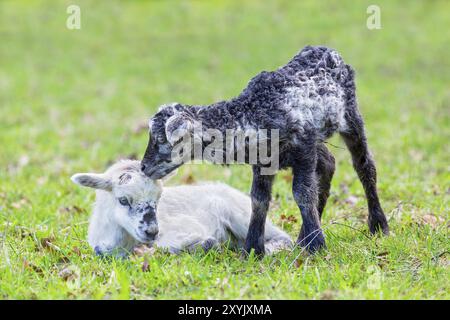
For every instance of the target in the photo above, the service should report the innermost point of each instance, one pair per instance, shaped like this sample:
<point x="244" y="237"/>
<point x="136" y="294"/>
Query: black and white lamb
<point x="305" y="102"/>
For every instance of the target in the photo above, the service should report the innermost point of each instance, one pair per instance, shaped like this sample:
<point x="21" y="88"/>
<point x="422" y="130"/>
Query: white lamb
<point x="131" y="209"/>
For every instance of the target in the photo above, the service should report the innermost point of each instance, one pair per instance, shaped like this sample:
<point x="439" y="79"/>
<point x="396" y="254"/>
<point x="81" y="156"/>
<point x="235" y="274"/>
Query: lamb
<point x="131" y="209"/>
<point x="305" y="102"/>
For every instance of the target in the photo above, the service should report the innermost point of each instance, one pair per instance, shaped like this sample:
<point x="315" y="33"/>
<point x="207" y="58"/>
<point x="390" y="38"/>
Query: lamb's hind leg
<point x="277" y="244"/>
<point x="325" y="168"/>
<point x="356" y="142"/>
<point x="304" y="189"/>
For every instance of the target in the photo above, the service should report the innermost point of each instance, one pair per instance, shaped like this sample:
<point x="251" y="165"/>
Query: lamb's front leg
<point x="304" y="189"/>
<point x="203" y="244"/>
<point x="260" y="195"/>
<point x="176" y="241"/>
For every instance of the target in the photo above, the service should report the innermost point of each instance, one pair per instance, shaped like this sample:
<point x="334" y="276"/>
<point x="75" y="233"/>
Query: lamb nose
<point x="147" y="217"/>
<point x="143" y="167"/>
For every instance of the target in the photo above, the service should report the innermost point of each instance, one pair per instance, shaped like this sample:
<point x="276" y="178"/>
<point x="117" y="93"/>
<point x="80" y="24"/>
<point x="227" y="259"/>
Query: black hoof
<point x="379" y="224"/>
<point x="312" y="241"/>
<point x="258" y="249"/>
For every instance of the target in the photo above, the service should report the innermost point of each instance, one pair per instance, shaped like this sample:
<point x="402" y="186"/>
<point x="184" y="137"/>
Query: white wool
<point x="305" y="105"/>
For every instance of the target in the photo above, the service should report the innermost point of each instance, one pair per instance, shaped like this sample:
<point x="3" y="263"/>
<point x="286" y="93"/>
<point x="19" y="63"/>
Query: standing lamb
<point x="307" y="101"/>
<point x="131" y="209"/>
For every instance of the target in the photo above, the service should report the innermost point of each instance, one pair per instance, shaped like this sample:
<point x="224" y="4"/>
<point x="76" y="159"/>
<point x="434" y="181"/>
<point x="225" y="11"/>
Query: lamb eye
<point x="161" y="139"/>
<point x="124" y="201"/>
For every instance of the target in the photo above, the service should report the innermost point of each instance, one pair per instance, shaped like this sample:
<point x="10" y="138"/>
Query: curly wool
<point x="307" y="94"/>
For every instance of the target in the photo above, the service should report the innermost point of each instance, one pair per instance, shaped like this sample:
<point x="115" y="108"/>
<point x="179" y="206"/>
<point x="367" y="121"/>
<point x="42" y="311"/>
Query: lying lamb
<point x="131" y="208"/>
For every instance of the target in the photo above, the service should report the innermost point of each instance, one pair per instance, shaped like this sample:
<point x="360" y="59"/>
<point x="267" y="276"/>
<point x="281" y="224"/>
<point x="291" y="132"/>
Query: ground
<point x="77" y="100"/>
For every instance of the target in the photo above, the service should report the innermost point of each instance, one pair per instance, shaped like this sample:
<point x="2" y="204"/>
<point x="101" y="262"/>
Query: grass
<point x="75" y="100"/>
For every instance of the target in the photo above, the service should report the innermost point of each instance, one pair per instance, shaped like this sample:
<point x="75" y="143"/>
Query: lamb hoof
<point x="209" y="244"/>
<point x="258" y="250"/>
<point x="376" y="225"/>
<point x="313" y="242"/>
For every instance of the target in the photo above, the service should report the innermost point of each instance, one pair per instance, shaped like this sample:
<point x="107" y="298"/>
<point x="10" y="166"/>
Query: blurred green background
<point x="78" y="100"/>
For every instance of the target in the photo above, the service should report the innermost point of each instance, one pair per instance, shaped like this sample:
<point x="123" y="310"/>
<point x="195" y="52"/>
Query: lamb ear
<point x="177" y="127"/>
<point x="92" y="180"/>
